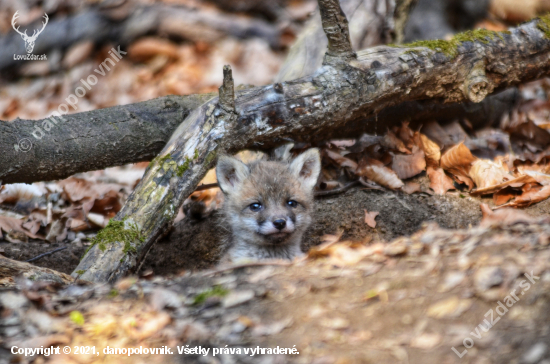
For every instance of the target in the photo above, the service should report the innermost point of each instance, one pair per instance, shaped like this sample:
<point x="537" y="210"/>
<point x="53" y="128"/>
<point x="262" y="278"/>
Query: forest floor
<point x="411" y="265"/>
<point x="406" y="291"/>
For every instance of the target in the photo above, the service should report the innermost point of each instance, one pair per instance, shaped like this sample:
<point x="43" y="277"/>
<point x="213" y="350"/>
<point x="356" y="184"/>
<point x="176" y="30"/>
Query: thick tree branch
<point x="132" y="133"/>
<point x="9" y="269"/>
<point x="42" y="150"/>
<point x="310" y="107"/>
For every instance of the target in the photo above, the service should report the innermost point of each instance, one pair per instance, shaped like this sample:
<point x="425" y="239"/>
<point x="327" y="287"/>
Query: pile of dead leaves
<point x="511" y="163"/>
<point x="63" y="210"/>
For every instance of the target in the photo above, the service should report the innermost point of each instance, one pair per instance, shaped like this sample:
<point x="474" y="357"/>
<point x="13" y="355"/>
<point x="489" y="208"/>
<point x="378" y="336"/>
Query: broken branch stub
<point x="476" y="84"/>
<point x="227" y="90"/>
<point x="336" y="27"/>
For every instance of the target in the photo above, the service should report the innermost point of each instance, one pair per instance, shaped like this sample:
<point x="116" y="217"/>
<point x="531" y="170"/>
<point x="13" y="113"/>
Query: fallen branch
<point x="347" y="88"/>
<point x="9" y="269"/>
<point x="92" y="140"/>
<point x="46" y="254"/>
<point x="133" y="133"/>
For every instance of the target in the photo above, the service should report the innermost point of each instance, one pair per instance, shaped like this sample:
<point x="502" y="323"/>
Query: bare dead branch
<point x="335" y="25"/>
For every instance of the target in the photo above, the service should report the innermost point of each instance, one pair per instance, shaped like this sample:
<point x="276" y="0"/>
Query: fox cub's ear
<point x="306" y="167"/>
<point x="231" y="173"/>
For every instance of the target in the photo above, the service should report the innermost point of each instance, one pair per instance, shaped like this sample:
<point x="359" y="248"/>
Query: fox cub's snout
<point x="268" y="204"/>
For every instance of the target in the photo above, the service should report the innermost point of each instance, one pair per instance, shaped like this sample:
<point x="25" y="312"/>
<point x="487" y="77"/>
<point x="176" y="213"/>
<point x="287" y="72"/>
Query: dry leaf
<point x="515" y="11"/>
<point x="407" y="166"/>
<point x="503" y="196"/>
<point x="431" y="150"/>
<point x="329" y="185"/>
<point x="437" y="134"/>
<point x="440" y="183"/>
<point x="391" y="141"/>
<point x="15" y="192"/>
<point x="11" y="224"/>
<point x="78" y="189"/>
<point x="406" y="134"/>
<point x="324" y="249"/>
<point x="542" y="178"/>
<point x="377" y="172"/>
<point x="411" y="187"/>
<point x="458" y="161"/>
<point x="486" y="173"/>
<point x="341" y="160"/>
<point x="369" y="218"/>
<point x="503" y="217"/>
<point x="147" y="48"/>
<point x="530" y="197"/>
<point x="342" y="143"/>
<point x="516" y="182"/>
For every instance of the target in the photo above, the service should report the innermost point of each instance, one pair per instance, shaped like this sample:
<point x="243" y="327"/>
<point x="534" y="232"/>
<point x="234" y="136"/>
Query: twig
<point x="45" y="254"/>
<point x="336" y="190"/>
<point x="206" y="186"/>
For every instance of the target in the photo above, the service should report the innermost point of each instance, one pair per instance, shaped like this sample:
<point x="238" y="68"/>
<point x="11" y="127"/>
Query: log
<point x="348" y="87"/>
<point x="55" y="148"/>
<point x="10" y="269"/>
<point x="133" y="133"/>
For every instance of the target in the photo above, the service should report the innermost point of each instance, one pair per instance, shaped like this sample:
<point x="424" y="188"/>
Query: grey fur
<point x="254" y="235"/>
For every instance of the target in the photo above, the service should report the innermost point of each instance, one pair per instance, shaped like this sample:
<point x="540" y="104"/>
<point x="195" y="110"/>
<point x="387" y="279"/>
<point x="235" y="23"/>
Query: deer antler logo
<point x="29" y="41"/>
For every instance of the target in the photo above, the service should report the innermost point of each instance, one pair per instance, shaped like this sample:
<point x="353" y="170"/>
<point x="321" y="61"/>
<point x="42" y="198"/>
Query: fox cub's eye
<point x="292" y="203"/>
<point x="255" y="206"/>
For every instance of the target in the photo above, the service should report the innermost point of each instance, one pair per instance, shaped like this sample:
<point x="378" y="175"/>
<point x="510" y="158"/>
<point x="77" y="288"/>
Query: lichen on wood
<point x="450" y="47"/>
<point x="544" y="25"/>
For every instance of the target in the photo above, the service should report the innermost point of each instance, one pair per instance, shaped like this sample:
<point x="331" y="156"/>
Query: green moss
<point x="184" y="167"/>
<point x="80" y="272"/>
<point x="113" y="293"/>
<point x="160" y="160"/>
<point x="117" y="231"/>
<point x="450" y="47"/>
<point x="214" y="291"/>
<point x="196" y="156"/>
<point x="544" y="25"/>
<point x="77" y="317"/>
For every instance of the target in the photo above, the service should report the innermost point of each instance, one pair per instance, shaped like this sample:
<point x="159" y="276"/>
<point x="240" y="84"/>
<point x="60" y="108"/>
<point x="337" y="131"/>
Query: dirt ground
<point x="409" y="301"/>
<point x="428" y="281"/>
<point x="197" y="243"/>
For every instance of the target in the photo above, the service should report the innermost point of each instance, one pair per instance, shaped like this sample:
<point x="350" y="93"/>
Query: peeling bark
<point x="344" y="90"/>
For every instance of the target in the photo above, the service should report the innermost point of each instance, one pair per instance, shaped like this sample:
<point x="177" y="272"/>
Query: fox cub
<point x="267" y="204"/>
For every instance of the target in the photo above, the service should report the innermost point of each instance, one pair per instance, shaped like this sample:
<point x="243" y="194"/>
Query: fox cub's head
<point x="269" y="202"/>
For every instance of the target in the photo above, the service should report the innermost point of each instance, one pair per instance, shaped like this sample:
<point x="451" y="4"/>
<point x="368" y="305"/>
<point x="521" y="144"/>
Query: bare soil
<point x="195" y="244"/>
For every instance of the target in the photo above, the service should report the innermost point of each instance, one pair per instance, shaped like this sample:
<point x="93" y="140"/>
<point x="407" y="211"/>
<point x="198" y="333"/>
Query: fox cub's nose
<point x="279" y="224"/>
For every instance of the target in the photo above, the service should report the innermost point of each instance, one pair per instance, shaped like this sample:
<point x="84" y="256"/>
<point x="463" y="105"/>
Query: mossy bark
<point x="313" y="107"/>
